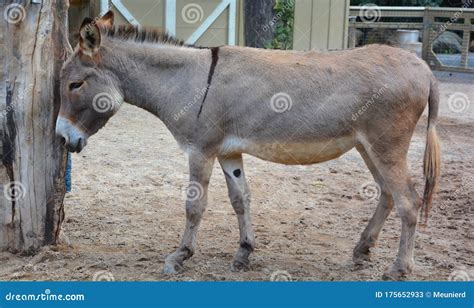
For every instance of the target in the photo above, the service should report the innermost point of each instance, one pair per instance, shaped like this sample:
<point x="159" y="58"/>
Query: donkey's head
<point x="90" y="93"/>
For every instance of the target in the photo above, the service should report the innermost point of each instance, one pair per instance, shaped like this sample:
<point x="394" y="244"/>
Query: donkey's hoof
<point x="361" y="253"/>
<point x="395" y="274"/>
<point x="399" y="270"/>
<point x="239" y="266"/>
<point x="172" y="268"/>
<point x="361" y="258"/>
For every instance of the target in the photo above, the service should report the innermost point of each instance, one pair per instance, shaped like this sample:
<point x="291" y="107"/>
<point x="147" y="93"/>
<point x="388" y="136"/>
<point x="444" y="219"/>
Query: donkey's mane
<point x="142" y="34"/>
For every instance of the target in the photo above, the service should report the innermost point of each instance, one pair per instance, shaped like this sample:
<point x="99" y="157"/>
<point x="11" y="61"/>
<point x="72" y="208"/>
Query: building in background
<point x="321" y="24"/>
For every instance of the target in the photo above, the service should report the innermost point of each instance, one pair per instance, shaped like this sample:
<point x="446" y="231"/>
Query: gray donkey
<point x="288" y="107"/>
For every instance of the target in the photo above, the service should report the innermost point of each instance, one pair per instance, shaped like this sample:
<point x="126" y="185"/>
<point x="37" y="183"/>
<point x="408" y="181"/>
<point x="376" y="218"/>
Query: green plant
<point x="284" y="19"/>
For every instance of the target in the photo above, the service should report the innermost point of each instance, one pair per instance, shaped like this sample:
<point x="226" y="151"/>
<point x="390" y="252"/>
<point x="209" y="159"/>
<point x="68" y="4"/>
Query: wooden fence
<point x="431" y="23"/>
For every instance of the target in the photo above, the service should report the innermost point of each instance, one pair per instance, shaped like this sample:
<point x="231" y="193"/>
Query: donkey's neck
<point x="156" y="76"/>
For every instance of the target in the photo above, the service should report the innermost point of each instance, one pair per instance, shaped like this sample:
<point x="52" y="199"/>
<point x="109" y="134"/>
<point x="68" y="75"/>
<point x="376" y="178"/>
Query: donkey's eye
<point x="75" y="85"/>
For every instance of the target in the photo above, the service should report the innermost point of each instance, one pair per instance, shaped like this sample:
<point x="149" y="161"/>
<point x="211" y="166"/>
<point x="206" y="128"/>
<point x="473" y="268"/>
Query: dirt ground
<point x="126" y="211"/>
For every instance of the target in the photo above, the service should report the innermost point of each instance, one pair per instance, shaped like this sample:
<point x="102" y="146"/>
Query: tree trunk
<point x="259" y="22"/>
<point x="35" y="45"/>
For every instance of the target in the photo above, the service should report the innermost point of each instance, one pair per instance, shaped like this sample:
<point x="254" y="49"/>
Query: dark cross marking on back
<point x="215" y="57"/>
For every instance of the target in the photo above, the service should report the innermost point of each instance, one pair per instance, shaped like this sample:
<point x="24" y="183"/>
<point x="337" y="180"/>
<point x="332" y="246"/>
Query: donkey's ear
<point x="89" y="37"/>
<point x="107" y="20"/>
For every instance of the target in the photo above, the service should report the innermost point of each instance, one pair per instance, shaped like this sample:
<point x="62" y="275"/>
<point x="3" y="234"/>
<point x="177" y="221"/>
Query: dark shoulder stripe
<point x="215" y="57"/>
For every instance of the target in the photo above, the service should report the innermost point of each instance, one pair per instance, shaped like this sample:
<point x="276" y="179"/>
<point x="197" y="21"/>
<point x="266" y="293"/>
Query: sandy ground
<point x="126" y="211"/>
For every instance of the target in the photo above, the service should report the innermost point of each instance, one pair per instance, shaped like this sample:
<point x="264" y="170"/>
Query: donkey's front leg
<point x="240" y="198"/>
<point x="200" y="169"/>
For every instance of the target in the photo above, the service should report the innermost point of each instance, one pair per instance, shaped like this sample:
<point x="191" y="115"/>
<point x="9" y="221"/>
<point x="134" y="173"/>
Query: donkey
<point x="288" y="107"/>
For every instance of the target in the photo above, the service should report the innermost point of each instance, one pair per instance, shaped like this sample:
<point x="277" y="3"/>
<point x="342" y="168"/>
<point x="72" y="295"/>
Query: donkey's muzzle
<point x="73" y="138"/>
<point x="76" y="146"/>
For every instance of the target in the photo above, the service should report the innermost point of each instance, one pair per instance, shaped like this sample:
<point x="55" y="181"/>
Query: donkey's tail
<point x="432" y="160"/>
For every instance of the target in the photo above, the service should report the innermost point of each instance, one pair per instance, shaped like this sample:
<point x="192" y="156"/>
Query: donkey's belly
<point x="289" y="153"/>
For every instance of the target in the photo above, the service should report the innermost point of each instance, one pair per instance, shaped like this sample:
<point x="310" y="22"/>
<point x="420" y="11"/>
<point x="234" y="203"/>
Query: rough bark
<point x="35" y="46"/>
<point x="259" y="22"/>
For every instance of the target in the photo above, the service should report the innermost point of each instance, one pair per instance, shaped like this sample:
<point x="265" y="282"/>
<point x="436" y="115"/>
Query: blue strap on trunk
<point x="67" y="176"/>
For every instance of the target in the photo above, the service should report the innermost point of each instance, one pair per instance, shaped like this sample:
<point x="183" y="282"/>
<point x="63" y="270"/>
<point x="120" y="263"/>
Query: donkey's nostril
<point x="62" y="141"/>
<point x="80" y="144"/>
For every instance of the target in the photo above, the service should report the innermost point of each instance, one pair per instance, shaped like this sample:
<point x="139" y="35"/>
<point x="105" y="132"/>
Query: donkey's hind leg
<point x="240" y="198"/>
<point x="389" y="157"/>
<point x="200" y="169"/>
<point x="371" y="232"/>
<point x="408" y="207"/>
